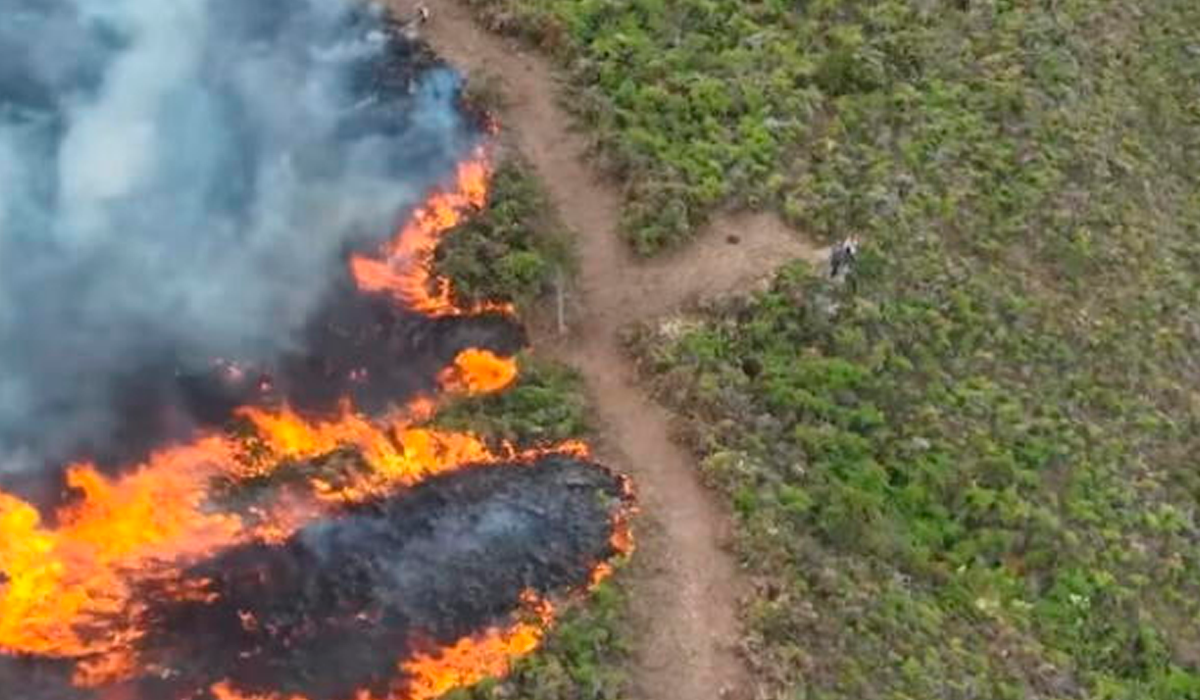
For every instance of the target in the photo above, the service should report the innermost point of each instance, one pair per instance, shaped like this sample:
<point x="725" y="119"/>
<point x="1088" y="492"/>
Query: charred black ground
<point x="336" y="607"/>
<point x="360" y="346"/>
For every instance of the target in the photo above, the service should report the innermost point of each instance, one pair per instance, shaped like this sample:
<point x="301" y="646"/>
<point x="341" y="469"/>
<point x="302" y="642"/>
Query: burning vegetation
<point x="313" y="538"/>
<point x="329" y="611"/>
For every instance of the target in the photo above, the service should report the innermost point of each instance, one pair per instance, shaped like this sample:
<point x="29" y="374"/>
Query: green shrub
<point x="585" y="654"/>
<point x="546" y="405"/>
<point x="939" y="451"/>
<point x="970" y="473"/>
<point x="513" y="249"/>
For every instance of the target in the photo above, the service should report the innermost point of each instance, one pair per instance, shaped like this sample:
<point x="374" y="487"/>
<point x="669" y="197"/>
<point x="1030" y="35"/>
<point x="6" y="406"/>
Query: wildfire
<point x="621" y="541"/>
<point x="466" y="662"/>
<point x="473" y="659"/>
<point x="67" y="591"/>
<point x="224" y="691"/>
<point x="477" y="371"/>
<point x="397" y="454"/>
<point x="405" y="268"/>
<point x="63" y="580"/>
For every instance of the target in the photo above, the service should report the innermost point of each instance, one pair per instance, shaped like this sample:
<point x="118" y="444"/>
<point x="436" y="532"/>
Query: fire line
<point x="70" y="590"/>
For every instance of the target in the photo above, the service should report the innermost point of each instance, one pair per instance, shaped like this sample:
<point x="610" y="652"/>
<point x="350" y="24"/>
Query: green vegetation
<point x="512" y="249"/>
<point x="833" y="111"/>
<point x="581" y="660"/>
<point x="584" y="654"/>
<point x="545" y="405"/>
<point x="971" y="473"/>
<point x="951" y="488"/>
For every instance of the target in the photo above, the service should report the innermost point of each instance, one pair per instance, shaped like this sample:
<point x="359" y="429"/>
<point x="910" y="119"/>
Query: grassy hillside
<point x="947" y="494"/>
<point x="972" y="472"/>
<point x="993" y="113"/>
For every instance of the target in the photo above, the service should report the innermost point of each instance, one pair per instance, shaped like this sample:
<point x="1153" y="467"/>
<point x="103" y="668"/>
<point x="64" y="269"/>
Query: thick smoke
<point x="179" y="181"/>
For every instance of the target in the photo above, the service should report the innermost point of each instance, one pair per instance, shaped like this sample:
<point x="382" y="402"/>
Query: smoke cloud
<point x="179" y="181"/>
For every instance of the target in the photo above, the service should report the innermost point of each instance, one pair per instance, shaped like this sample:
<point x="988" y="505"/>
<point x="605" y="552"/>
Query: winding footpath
<point x="686" y="585"/>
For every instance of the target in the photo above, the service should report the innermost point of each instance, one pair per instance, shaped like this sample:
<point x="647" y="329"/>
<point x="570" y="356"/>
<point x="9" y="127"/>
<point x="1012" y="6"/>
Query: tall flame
<point x="62" y="580"/>
<point x="405" y="269"/>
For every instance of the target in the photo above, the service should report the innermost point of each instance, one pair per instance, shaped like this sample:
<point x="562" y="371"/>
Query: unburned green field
<point x="970" y="472"/>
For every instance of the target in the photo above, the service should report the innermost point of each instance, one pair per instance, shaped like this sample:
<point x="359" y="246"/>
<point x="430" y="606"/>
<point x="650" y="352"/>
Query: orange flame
<point x="224" y="691"/>
<point x="477" y="371"/>
<point x="67" y="591"/>
<point x="475" y="658"/>
<point x="428" y="676"/>
<point x="621" y="540"/>
<point x="60" y="581"/>
<point x="397" y="454"/>
<point x="406" y="268"/>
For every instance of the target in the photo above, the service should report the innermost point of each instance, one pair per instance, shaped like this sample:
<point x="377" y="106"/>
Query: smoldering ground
<point x="179" y="181"/>
<point x="334" y="609"/>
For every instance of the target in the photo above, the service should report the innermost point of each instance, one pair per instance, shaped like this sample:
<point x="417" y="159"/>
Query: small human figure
<point x="843" y="256"/>
<point x="408" y="27"/>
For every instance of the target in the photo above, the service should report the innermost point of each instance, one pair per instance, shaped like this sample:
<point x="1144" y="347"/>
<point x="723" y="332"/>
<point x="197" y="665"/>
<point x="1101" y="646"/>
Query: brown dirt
<point x="686" y="585"/>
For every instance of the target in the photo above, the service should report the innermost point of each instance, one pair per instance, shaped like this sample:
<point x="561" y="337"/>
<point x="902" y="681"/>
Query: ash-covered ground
<point x="336" y="607"/>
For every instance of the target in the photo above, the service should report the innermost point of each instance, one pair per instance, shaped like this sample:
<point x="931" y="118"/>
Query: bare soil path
<point x="686" y="586"/>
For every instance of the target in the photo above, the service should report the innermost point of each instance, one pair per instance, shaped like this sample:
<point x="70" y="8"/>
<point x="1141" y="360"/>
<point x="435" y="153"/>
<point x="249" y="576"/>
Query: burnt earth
<point x="336" y="607"/>
<point x="339" y="605"/>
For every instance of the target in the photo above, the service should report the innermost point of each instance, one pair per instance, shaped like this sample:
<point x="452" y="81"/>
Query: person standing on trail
<point x="843" y="256"/>
<point x="408" y="27"/>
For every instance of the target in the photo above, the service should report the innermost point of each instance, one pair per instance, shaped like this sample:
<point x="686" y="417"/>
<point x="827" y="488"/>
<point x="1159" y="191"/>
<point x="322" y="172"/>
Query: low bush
<point x="513" y="250"/>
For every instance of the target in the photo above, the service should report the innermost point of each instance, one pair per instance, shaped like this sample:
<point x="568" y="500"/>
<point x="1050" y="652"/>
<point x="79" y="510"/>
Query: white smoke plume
<point x="179" y="180"/>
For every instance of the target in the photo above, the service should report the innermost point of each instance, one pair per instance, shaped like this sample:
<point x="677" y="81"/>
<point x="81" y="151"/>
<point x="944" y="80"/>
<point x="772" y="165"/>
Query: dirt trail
<point x="687" y="584"/>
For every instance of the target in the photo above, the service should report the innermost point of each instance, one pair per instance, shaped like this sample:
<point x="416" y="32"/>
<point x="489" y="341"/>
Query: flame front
<point x="464" y="663"/>
<point x="64" y="580"/>
<point x="397" y="453"/>
<point x="405" y="268"/>
<point x="477" y="371"/>
<point x="473" y="659"/>
<point x="68" y="591"/>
